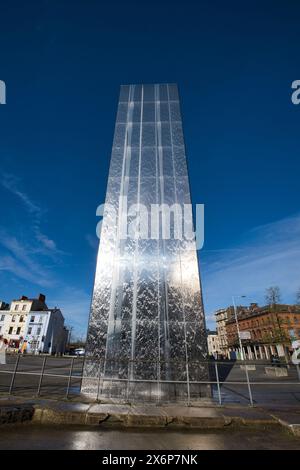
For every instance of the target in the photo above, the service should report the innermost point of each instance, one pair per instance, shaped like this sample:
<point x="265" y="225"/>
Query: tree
<point x="272" y="295"/>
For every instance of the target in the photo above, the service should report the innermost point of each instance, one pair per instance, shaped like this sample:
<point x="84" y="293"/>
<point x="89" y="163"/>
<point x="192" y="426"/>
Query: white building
<point x="30" y="326"/>
<point x="3" y="312"/>
<point x="213" y="344"/>
<point x="45" y="332"/>
<point x="221" y="316"/>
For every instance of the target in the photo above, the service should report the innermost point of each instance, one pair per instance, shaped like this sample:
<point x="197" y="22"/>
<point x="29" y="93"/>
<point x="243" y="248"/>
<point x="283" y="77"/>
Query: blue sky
<point x="234" y="63"/>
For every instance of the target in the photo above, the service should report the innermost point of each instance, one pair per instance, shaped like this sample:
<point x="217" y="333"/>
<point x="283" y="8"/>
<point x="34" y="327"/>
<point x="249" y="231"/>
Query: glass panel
<point x="119" y="137"/>
<point x="179" y="161"/>
<point x="173" y="92"/>
<point x="163" y="92"/>
<point x="133" y="155"/>
<point x="177" y="134"/>
<point x="167" y="161"/>
<point x="135" y="135"/>
<point x="116" y="162"/>
<point x="137" y="93"/>
<point x="149" y="112"/>
<point x="122" y="112"/>
<point x="149" y="93"/>
<point x="165" y="134"/>
<point x="175" y="111"/>
<point x="148" y="135"/>
<point x="148" y="164"/>
<point x="124" y="93"/>
<point x="136" y="112"/>
<point x="164" y="112"/>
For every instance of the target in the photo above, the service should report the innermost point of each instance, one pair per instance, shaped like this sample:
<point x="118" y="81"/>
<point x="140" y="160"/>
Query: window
<point x="17" y="307"/>
<point x="0" y="328"/>
<point x="32" y="318"/>
<point x="13" y="318"/>
<point x="24" y="308"/>
<point x="38" y="331"/>
<point x="21" y="318"/>
<point x="10" y="330"/>
<point x="18" y="330"/>
<point x="2" y="317"/>
<point x="41" y="320"/>
<point x="29" y="330"/>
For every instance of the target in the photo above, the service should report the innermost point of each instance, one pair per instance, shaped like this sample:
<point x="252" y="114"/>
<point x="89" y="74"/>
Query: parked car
<point x="79" y="352"/>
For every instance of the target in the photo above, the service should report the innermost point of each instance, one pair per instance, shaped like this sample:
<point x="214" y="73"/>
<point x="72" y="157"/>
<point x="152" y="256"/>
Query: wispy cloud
<point x="13" y="184"/>
<point x="268" y="255"/>
<point x="92" y="240"/>
<point x="21" y="255"/>
<point x="19" y="262"/>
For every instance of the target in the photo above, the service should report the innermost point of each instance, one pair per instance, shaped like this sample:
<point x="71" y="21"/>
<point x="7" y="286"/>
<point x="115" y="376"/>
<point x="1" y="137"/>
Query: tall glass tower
<point x="146" y="328"/>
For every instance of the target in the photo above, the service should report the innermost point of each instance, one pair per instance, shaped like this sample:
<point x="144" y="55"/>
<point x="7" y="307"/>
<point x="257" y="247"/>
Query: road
<point x="81" y="438"/>
<point x="285" y="390"/>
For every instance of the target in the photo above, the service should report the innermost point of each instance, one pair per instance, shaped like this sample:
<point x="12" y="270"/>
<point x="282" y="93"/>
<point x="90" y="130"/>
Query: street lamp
<point x="237" y="324"/>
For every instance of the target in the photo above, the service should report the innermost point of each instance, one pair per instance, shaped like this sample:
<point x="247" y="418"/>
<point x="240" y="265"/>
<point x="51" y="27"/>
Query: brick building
<point x="265" y="331"/>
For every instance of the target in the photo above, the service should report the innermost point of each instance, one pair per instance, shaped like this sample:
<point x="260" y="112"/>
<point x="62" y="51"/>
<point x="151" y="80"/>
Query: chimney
<point x="24" y="297"/>
<point x="42" y="298"/>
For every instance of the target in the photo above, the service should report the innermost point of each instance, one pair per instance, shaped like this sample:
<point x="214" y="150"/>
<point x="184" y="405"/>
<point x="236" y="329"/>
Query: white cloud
<point x="92" y="240"/>
<point x="268" y="255"/>
<point x="12" y="183"/>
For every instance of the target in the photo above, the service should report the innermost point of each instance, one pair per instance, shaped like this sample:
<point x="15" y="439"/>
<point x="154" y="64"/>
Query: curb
<point x="294" y="428"/>
<point x="47" y="412"/>
<point x="126" y="419"/>
<point x="13" y="414"/>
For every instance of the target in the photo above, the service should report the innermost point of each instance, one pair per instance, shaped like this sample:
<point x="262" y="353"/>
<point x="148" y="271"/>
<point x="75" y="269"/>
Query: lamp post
<point x="237" y="324"/>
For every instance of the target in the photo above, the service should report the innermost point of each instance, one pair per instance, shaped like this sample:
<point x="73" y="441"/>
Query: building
<point x="213" y="344"/>
<point x="147" y="321"/>
<point x="14" y="328"/>
<point x="30" y="326"/>
<point x="221" y="316"/>
<point x="265" y="331"/>
<point x="3" y="312"/>
<point x="45" y="332"/>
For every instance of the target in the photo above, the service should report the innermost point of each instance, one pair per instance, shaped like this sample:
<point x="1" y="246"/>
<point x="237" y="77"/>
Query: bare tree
<point x="272" y="295"/>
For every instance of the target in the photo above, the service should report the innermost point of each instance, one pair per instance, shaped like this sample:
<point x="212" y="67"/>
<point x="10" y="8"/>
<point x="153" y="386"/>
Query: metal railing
<point x="121" y="373"/>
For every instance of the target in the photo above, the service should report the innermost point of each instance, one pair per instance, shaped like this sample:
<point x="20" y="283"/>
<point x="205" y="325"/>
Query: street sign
<point x="245" y="335"/>
<point x="296" y="354"/>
